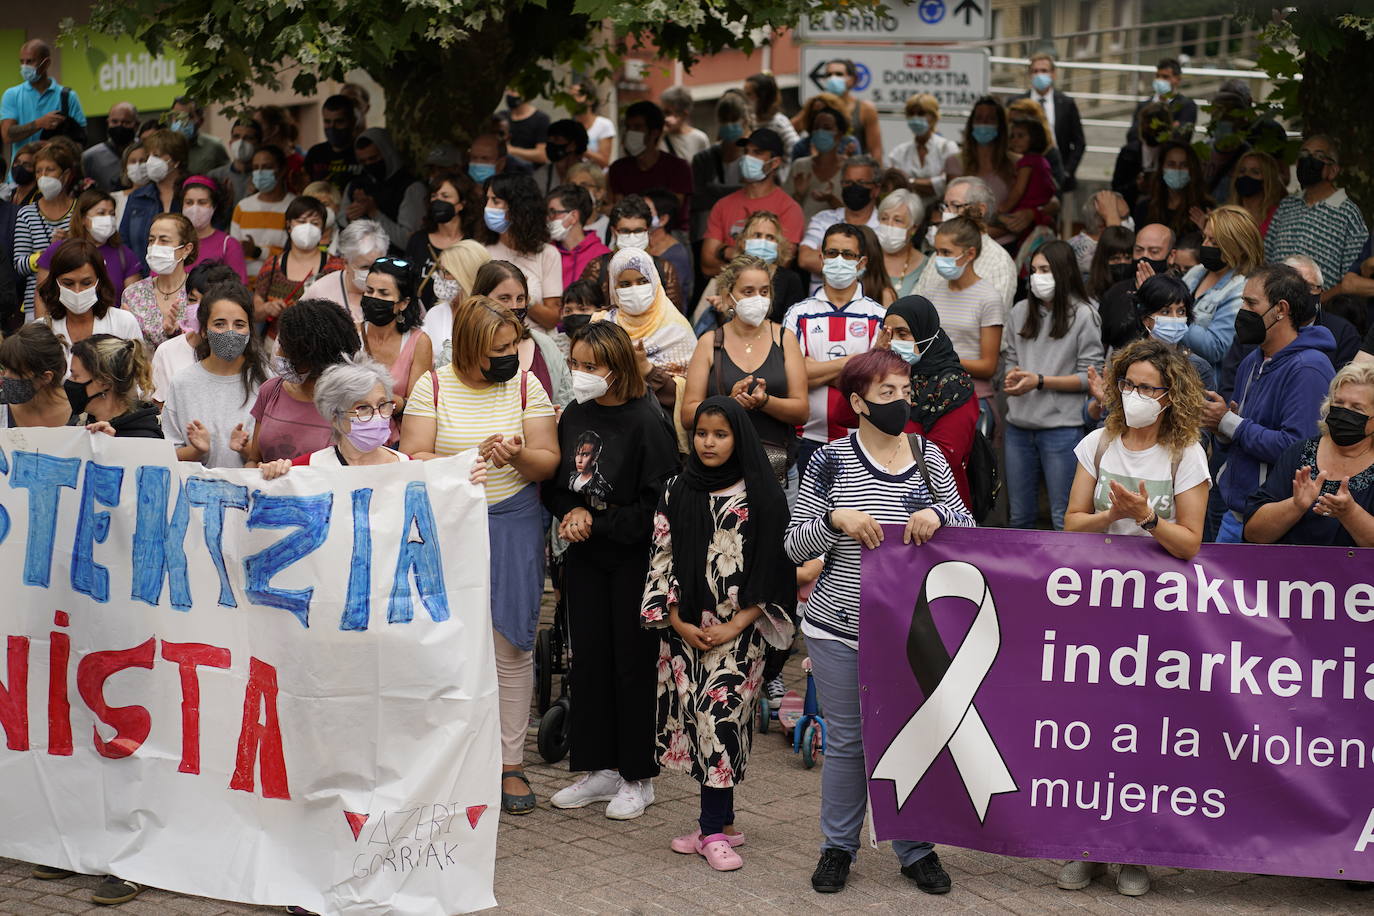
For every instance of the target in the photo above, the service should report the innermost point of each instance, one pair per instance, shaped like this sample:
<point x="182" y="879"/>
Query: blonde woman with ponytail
<point x="109" y="379"/>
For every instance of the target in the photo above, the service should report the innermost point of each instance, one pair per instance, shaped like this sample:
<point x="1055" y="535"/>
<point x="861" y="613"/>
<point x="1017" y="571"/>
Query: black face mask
<point x="441" y="211"/>
<point x="21" y="390"/>
<point x="1347" y="427"/>
<point x="889" y="418"/>
<point x="1251" y="328"/>
<point x="378" y="312"/>
<point x="21" y="174"/>
<point x="1247" y="186"/>
<point x="76" y="395"/>
<point x="1161" y="266"/>
<point x="856" y="196"/>
<point x="1119" y="272"/>
<point x="555" y="151"/>
<point x="502" y="368"/>
<point x="574" y="323"/>
<point x="376" y="169"/>
<point x="1310" y="170"/>
<point x="1209" y="256"/>
<point x="120" y="136"/>
<point x="512" y="101"/>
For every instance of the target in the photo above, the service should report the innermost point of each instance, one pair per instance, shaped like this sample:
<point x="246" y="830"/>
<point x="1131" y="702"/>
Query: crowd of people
<point x="701" y="373"/>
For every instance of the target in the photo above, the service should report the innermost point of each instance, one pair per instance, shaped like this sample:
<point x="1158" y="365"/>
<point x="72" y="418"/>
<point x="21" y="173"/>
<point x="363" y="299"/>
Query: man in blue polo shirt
<point x="35" y="105"/>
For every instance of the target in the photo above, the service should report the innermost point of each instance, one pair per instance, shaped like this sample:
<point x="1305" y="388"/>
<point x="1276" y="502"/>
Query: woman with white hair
<point x="900" y="214"/>
<point x="360" y="243"/>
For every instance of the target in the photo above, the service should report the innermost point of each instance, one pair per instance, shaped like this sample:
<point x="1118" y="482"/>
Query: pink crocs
<point x="718" y="854"/>
<point x="687" y="843"/>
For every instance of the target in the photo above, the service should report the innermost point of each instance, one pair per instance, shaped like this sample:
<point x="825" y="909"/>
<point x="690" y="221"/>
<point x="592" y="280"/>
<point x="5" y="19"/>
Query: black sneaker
<point x="832" y="871"/>
<point x="114" y="891"/>
<point x="928" y="874"/>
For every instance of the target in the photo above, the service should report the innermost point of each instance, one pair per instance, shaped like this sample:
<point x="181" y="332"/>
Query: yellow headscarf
<point x="659" y="314"/>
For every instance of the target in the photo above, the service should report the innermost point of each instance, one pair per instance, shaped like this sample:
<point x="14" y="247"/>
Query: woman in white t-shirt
<point x="600" y="129"/>
<point x="1144" y="473"/>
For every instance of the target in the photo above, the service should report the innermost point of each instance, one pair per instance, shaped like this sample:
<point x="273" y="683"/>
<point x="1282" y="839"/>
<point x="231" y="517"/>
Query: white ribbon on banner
<point x="948" y="716"/>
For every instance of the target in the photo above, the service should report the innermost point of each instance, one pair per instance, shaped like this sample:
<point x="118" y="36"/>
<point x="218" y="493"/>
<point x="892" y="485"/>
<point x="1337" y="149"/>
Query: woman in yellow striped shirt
<point x="484" y="401"/>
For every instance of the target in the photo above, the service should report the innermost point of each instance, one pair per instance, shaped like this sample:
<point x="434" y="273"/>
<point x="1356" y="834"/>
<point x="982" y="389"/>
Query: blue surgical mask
<point x="1041" y="81"/>
<point x="840" y="273"/>
<point x="497" y="220"/>
<point x="823" y="140"/>
<point x="28" y="73"/>
<point x="983" y="134"/>
<point x="919" y="126"/>
<point x="1162" y="87"/>
<point x="264" y="179"/>
<point x="949" y="268"/>
<point x="836" y="84"/>
<point x="186" y="127"/>
<point x="906" y="349"/>
<point x="751" y="168"/>
<point x="480" y="171"/>
<point x="1177" y="179"/>
<point x="731" y="131"/>
<point x="763" y="249"/>
<point x="1169" y="330"/>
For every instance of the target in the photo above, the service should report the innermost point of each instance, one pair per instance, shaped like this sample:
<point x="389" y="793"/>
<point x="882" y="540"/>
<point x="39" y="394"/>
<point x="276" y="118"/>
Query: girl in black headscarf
<point x="943" y="408"/>
<point x="720" y="579"/>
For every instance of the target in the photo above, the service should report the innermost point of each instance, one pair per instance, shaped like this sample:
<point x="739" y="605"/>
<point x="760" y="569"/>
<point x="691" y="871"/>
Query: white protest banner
<point x="272" y="692"/>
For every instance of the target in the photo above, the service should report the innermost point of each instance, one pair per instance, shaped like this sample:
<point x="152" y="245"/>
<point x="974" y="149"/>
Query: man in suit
<point x="1062" y="114"/>
<point x="1168" y="77"/>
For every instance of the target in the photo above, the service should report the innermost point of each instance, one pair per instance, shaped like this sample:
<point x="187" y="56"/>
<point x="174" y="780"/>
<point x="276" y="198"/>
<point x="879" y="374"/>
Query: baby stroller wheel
<point x="555" y="730"/>
<point x="543" y="670"/>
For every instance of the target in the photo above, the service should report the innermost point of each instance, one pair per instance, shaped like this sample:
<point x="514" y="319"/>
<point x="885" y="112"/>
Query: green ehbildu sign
<point x="104" y="70"/>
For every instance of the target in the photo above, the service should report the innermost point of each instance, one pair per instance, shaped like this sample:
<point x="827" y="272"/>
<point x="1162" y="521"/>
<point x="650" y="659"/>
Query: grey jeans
<point x="844" y="777"/>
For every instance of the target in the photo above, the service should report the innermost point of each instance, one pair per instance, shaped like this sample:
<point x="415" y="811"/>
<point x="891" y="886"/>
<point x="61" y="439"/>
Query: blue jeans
<point x="1040" y="454"/>
<point x="844" y="778"/>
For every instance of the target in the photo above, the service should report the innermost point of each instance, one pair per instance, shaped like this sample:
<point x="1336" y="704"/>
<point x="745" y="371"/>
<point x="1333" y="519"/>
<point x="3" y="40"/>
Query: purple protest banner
<point x="1068" y="696"/>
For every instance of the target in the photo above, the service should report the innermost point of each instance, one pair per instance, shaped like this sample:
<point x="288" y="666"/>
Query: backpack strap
<point x="66" y="101"/>
<point x="918" y="452"/>
<point x="1103" y="444"/>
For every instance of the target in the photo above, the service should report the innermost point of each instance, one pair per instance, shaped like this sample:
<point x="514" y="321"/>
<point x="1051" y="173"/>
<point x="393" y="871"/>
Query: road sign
<point x="916" y="20"/>
<point x="890" y="75"/>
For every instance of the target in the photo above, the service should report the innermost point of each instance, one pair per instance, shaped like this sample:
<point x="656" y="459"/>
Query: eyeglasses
<point x="954" y="208"/>
<point x="367" y="411"/>
<point x="837" y="253"/>
<point x="557" y="214"/>
<point x="1149" y="391"/>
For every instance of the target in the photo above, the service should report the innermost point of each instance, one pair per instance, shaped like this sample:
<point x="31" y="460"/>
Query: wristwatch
<point x="1040" y="383"/>
<point x="1150" y="523"/>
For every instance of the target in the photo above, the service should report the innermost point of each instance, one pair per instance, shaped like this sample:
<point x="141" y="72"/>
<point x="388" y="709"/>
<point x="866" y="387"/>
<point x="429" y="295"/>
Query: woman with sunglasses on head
<point x="1143" y="474"/>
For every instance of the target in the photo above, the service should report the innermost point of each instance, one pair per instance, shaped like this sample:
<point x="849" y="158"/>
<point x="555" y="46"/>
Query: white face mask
<point x="305" y="236"/>
<point x="633" y="142"/>
<point x="49" y="187"/>
<point x="445" y="289"/>
<point x="638" y="240"/>
<point x="360" y="278"/>
<point x="558" y="230"/>
<point x="162" y="258"/>
<point x="78" y="303"/>
<point x="588" y="386"/>
<point x="330" y="215"/>
<point x="101" y="228"/>
<point x="244" y="150"/>
<point x="198" y="214"/>
<point x="635" y="300"/>
<point x="1140" y="411"/>
<point x="892" y="238"/>
<point x="1042" y="286"/>
<point x="157" y="168"/>
<point x="752" y="309"/>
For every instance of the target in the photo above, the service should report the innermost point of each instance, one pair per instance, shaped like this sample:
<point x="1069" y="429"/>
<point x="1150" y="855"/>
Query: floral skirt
<point x="706" y="705"/>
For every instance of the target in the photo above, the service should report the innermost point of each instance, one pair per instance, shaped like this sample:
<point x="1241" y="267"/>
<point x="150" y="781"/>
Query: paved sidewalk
<point x="567" y="862"/>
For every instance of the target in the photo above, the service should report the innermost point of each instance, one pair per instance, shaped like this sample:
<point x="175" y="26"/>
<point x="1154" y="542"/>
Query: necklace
<point x="890" y="458"/>
<point x="171" y="292"/>
<point x="750" y="341"/>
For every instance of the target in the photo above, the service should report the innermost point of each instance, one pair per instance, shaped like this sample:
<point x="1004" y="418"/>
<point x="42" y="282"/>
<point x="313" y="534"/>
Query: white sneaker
<point x="596" y="786"/>
<point x="634" y="796"/>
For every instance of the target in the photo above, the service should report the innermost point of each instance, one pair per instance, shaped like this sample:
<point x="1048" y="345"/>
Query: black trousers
<point x="614" y="676"/>
<point x="717" y="810"/>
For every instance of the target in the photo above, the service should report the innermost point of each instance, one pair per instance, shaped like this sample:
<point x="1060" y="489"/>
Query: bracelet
<point x="1040" y="383"/>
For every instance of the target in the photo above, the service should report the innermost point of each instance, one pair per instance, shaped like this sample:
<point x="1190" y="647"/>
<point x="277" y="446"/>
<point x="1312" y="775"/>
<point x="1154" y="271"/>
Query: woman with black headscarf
<point x="943" y="408"/>
<point x="720" y="579"/>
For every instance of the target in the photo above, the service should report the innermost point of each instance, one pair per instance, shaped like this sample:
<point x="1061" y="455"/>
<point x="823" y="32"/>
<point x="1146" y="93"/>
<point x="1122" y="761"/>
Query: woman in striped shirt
<point x="483" y="401"/>
<point x="57" y="172"/>
<point x="852" y="487"/>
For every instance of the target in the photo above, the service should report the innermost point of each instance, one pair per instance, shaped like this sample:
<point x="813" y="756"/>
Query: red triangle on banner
<point x="356" y="821"/>
<point x="475" y="814"/>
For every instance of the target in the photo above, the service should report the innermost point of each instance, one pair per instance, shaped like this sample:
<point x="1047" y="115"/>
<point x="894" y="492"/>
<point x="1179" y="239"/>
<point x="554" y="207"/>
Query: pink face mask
<point x="367" y="435"/>
<point x="190" y="322"/>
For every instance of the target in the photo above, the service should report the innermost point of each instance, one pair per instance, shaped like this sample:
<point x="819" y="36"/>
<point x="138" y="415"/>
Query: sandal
<point x="517" y="804"/>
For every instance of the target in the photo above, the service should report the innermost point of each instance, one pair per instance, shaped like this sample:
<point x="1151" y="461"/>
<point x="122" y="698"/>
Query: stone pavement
<point x="567" y="862"/>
